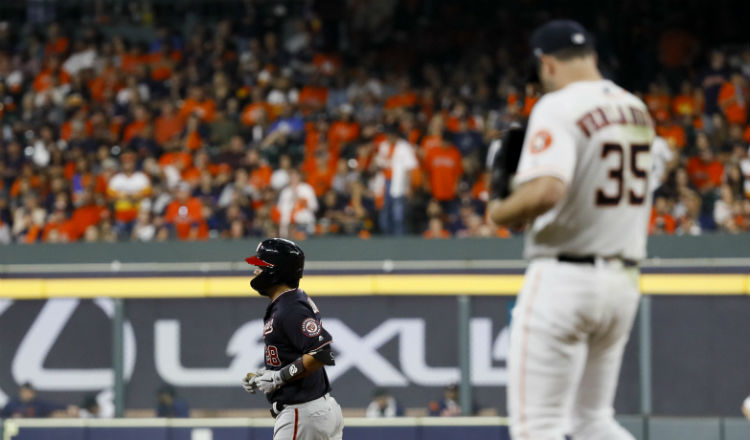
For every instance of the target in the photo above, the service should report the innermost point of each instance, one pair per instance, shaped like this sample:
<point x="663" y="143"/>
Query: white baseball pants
<point x="318" y="419"/>
<point x="568" y="332"/>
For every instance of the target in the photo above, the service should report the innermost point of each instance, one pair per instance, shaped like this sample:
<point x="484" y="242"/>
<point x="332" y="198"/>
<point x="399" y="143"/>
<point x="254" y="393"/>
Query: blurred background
<point x="148" y="146"/>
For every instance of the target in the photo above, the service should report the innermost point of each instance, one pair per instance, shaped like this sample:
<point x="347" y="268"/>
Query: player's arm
<point x="545" y="164"/>
<point x="307" y="364"/>
<point x="306" y="333"/>
<point x="268" y="381"/>
<point x="315" y="344"/>
<point x="529" y="201"/>
<point x="310" y="365"/>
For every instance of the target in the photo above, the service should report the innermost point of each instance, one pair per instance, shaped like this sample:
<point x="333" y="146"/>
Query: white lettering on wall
<point x="28" y="363"/>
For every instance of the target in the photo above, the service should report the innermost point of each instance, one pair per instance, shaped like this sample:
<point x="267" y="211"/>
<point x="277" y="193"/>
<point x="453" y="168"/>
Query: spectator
<point x="661" y="221"/>
<point x="712" y="79"/>
<point x="169" y="405"/>
<point x="448" y="406"/>
<point x="733" y="99"/>
<point x="685" y="103"/>
<point x="258" y="111"/>
<point x="227" y="113"/>
<point x="689" y="221"/>
<point x="28" y="220"/>
<point x="90" y="211"/>
<point x="139" y="124"/>
<point x="704" y="170"/>
<point x="97" y="406"/>
<point x="168" y="125"/>
<point x="725" y="212"/>
<point x="197" y="104"/>
<point x="383" y="404"/>
<point x="297" y="206"/>
<point x="343" y="131"/>
<point x="435" y="229"/>
<point x="444" y="168"/>
<point x="127" y="189"/>
<point x="467" y="139"/>
<point x="143" y="230"/>
<point x="223" y="128"/>
<point x="89" y="408"/>
<point x="185" y="214"/>
<point x="673" y="133"/>
<point x="395" y="159"/>
<point x="27" y="405"/>
<point x="280" y="176"/>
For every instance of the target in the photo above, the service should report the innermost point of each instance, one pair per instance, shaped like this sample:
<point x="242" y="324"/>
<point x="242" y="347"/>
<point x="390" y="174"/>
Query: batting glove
<point x="268" y="381"/>
<point x="248" y="382"/>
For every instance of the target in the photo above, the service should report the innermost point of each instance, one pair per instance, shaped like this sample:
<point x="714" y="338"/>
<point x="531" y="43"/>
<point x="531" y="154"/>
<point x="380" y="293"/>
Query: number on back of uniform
<point x="614" y="152"/>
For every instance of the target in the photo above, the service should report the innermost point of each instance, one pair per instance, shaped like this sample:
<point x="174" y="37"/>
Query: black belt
<point x="591" y="259"/>
<point x="276" y="409"/>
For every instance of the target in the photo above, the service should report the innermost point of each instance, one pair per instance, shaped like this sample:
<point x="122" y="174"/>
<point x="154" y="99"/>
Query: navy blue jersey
<point x="292" y="328"/>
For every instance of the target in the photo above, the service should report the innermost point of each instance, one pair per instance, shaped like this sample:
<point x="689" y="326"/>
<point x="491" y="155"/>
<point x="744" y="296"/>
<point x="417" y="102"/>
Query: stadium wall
<point x="347" y="249"/>
<point x="191" y="320"/>
<point x="202" y="346"/>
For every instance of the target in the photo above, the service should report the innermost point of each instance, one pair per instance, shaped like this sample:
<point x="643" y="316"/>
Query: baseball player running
<point x="582" y="188"/>
<point x="297" y="348"/>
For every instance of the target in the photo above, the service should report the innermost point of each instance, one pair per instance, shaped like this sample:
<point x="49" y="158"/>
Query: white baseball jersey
<point x="595" y="137"/>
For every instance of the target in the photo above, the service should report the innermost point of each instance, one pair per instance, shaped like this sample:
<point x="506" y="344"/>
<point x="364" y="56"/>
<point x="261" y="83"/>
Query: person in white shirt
<point x="724" y="210"/>
<point x="83" y="57"/>
<point x="582" y="188"/>
<point x="297" y="205"/>
<point x="383" y="405"/>
<point x="396" y="159"/>
<point x="127" y="189"/>
<point x="280" y="176"/>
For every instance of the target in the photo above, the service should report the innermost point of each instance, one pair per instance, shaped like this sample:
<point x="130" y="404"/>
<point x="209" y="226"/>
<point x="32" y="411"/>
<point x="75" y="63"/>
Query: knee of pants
<point x="598" y="428"/>
<point x="547" y="428"/>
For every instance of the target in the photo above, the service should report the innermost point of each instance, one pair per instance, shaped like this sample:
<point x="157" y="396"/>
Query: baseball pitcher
<point x="582" y="187"/>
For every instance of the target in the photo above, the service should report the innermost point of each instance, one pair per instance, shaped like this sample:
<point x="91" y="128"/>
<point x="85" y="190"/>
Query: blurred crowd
<point x="277" y="123"/>
<point x="26" y="404"/>
<point x="168" y="404"/>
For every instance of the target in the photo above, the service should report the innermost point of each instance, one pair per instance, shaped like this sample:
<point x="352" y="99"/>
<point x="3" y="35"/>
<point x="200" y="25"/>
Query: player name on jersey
<point x="605" y="116"/>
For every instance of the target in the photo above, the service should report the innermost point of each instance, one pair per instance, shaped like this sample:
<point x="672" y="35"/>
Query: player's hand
<point x="268" y="381"/>
<point x="505" y="162"/>
<point x="248" y="382"/>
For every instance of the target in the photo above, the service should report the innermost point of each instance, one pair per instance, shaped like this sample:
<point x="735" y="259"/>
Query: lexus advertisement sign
<point x="407" y="344"/>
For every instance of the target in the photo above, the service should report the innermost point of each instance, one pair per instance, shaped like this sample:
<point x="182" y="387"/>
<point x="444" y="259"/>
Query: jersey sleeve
<point x="548" y="148"/>
<point x="305" y="331"/>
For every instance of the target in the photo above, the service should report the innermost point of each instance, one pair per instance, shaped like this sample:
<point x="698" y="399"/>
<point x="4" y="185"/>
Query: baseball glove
<point x="505" y="162"/>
